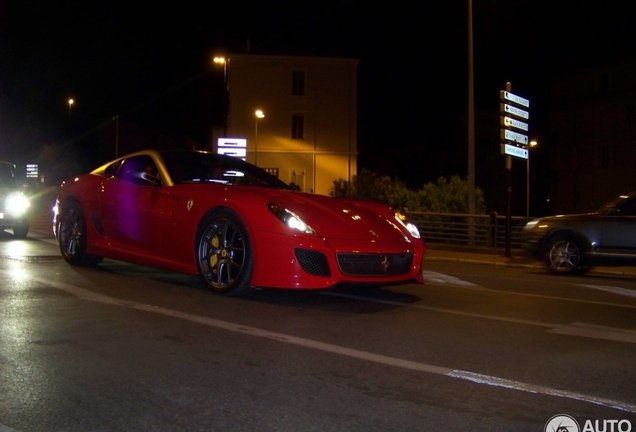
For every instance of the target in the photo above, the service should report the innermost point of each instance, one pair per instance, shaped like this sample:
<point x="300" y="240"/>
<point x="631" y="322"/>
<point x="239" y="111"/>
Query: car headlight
<point x="410" y="227"/>
<point x="530" y="225"/>
<point x="16" y="204"/>
<point x="289" y="218"/>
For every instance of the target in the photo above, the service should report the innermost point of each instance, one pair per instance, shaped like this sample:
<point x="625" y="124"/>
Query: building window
<point x="298" y="126"/>
<point x="298" y="83"/>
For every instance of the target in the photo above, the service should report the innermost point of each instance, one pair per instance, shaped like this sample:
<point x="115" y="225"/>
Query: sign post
<point x="514" y="140"/>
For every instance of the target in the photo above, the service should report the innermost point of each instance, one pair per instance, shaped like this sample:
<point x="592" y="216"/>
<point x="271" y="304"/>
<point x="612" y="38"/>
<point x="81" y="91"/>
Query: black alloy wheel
<point x="224" y="254"/>
<point x="72" y="236"/>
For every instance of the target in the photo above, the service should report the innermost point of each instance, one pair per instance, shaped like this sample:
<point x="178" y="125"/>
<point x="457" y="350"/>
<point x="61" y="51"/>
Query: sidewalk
<point x="517" y="259"/>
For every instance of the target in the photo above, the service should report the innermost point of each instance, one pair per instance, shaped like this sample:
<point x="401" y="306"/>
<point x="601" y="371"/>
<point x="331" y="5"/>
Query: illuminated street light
<point x="70" y="104"/>
<point x="222" y="61"/>
<point x="532" y="144"/>
<point x="259" y="115"/>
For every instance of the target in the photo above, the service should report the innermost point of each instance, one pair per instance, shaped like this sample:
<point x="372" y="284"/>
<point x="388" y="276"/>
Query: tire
<point x="224" y="254"/>
<point x="72" y="236"/>
<point x="565" y="256"/>
<point x="21" y="230"/>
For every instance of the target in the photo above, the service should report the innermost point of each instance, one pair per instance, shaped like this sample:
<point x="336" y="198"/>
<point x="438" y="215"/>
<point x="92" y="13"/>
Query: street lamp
<point x="70" y="104"/>
<point x="259" y="115"/>
<point x="532" y="144"/>
<point x="223" y="61"/>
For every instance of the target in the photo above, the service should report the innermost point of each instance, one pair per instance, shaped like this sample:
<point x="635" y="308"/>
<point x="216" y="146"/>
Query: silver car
<point x="571" y="244"/>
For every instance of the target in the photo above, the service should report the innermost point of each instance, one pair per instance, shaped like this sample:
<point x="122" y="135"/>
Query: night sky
<point x="151" y="64"/>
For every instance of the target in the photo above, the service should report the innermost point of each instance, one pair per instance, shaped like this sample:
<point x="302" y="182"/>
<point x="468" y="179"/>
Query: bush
<point x="445" y="196"/>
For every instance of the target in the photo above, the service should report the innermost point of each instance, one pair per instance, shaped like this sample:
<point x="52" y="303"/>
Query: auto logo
<point x="189" y="205"/>
<point x="385" y="263"/>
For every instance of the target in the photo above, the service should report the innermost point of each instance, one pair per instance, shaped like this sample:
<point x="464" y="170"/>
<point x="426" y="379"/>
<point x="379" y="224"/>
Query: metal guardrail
<point x="466" y="230"/>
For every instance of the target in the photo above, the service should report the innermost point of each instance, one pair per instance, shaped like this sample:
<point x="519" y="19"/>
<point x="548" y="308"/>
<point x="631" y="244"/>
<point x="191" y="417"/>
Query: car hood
<point x="339" y="218"/>
<point x="569" y="217"/>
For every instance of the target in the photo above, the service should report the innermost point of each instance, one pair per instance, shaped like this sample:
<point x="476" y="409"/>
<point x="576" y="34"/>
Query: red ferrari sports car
<point x="232" y="223"/>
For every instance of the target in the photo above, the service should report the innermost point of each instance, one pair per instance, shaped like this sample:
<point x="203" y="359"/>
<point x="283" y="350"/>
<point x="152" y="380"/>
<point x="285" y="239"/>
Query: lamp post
<point x="532" y="144"/>
<point x="223" y="61"/>
<point x="259" y="115"/>
<point x="116" y="120"/>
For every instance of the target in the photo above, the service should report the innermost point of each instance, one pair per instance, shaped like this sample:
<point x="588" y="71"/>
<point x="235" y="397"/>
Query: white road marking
<point x="440" y="279"/>
<point x="335" y="349"/>
<point x="575" y="329"/>
<point x="443" y="279"/>
<point x="596" y="331"/>
<point x="612" y="289"/>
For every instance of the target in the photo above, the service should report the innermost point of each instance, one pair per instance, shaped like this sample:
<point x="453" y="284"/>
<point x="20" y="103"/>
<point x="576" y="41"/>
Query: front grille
<point x="314" y="263"/>
<point x="355" y="264"/>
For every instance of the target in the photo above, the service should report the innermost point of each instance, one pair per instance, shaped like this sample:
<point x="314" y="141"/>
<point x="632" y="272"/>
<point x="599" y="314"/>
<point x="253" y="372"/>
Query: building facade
<point x="307" y="130"/>
<point x="593" y="137"/>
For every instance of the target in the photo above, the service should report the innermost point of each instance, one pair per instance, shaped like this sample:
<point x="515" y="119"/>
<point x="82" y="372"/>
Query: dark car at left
<point x="14" y="204"/>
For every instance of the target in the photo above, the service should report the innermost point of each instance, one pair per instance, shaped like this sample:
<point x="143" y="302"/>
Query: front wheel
<point x="565" y="256"/>
<point x="21" y="230"/>
<point x="224" y="254"/>
<point x="72" y="236"/>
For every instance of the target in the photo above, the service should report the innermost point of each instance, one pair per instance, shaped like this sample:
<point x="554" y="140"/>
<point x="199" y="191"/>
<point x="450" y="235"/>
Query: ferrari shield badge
<point x="189" y="204"/>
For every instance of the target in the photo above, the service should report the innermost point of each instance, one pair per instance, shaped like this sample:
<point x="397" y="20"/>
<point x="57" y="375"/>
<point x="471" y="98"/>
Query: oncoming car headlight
<point x="289" y="218"/>
<point x="16" y="204"/>
<point x="410" y="227"/>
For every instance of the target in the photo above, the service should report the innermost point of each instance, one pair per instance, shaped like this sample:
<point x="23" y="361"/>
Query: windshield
<point x="7" y="177"/>
<point x="618" y="201"/>
<point x="202" y="167"/>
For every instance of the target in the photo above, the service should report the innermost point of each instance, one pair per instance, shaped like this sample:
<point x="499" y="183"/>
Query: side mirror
<point x="151" y="179"/>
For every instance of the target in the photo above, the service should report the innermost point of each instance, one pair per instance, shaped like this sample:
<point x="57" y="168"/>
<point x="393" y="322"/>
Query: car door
<point x="621" y="231"/>
<point x="128" y="205"/>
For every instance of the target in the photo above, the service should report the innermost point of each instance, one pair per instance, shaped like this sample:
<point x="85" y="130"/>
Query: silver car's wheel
<point x="224" y="254"/>
<point x="72" y="236"/>
<point x="565" y="256"/>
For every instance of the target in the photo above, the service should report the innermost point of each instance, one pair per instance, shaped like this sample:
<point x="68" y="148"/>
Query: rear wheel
<point x="224" y="254"/>
<point x="565" y="256"/>
<point x="72" y="236"/>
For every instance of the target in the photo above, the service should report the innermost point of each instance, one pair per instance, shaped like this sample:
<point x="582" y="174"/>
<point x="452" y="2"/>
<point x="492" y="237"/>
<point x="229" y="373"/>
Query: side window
<point x="628" y="208"/>
<point x="136" y="169"/>
<point x="111" y="169"/>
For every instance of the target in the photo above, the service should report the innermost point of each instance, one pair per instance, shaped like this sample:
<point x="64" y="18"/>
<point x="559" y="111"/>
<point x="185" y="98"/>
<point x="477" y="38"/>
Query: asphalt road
<point x="478" y="347"/>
